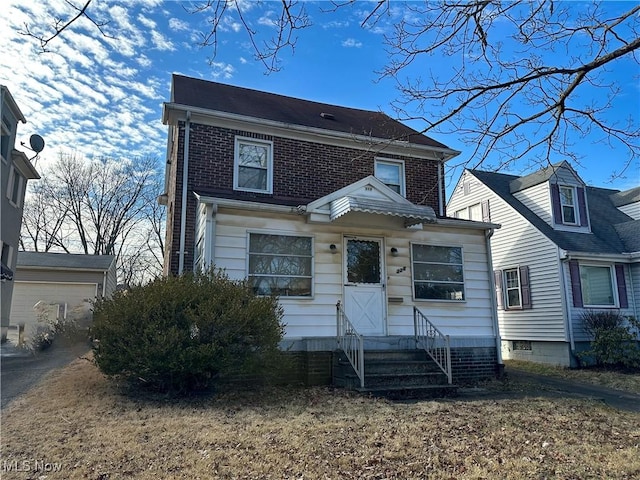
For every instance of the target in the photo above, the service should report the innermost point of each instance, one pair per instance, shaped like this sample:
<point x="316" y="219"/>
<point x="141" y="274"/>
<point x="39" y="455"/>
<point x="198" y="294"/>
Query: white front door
<point x="364" y="285"/>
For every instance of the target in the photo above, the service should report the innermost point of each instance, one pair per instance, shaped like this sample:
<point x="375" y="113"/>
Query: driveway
<point x="20" y="372"/>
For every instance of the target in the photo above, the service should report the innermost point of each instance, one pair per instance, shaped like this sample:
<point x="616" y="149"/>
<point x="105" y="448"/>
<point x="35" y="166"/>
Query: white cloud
<point x="178" y="25"/>
<point x="222" y="70"/>
<point x="351" y="43"/>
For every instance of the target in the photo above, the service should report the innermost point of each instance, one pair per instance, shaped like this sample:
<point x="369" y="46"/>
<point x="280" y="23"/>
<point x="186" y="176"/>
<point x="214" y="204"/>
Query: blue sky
<point x="103" y="97"/>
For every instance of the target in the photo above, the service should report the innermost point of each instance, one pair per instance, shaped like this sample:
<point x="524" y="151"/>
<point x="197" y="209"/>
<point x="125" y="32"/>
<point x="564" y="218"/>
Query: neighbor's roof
<point x="626" y="197"/>
<point x="64" y="260"/>
<point x="293" y="111"/>
<point x="605" y="218"/>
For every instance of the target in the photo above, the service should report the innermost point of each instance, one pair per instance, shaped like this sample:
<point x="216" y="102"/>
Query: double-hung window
<point x="281" y="264"/>
<point x="597" y="286"/>
<point x="391" y="173"/>
<point x="437" y="272"/>
<point x="253" y="165"/>
<point x="513" y="295"/>
<point x="568" y="205"/>
<point x="15" y="187"/>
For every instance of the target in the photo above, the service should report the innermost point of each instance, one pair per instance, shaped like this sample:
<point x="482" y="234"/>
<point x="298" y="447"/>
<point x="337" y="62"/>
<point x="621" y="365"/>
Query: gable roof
<point x="64" y="261"/>
<point x="538" y="177"/>
<point x="603" y="214"/>
<point x="246" y="102"/>
<point x="626" y="197"/>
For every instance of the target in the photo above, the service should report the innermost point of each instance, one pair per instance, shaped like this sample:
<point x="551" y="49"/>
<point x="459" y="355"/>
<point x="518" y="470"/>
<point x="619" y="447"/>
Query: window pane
<point x="439" y="291"/>
<point x="363" y="261"/>
<point x="388" y="173"/>
<point x="513" y="297"/>
<point x="253" y="178"/>
<point x="597" y="288"/>
<point x="431" y="253"/>
<point x="280" y="265"/>
<point x="441" y="273"/>
<point x="566" y="196"/>
<point x="568" y="214"/>
<point x="253" y="155"/>
<point x="263" y="243"/>
<point x="475" y="212"/>
<point x="281" y="286"/>
<point x="512" y="278"/>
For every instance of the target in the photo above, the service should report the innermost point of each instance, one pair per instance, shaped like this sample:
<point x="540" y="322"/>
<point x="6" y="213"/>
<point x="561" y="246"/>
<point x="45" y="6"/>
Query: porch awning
<point x="5" y="273"/>
<point x="412" y="214"/>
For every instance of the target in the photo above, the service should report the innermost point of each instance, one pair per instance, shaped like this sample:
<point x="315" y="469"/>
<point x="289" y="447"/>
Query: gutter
<point x="494" y="307"/>
<point x="185" y="179"/>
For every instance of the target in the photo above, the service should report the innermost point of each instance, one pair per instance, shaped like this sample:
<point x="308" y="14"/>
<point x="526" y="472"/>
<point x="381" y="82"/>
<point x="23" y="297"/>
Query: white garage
<point x="61" y="286"/>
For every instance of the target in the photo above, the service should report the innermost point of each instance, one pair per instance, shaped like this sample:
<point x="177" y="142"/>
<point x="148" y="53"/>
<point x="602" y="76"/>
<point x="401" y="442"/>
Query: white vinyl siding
<point x="316" y="316"/>
<point x="632" y="209"/>
<point x="538" y="200"/>
<point x="517" y="242"/>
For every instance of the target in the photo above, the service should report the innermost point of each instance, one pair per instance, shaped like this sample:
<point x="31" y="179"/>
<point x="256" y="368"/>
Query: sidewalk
<point x="561" y="387"/>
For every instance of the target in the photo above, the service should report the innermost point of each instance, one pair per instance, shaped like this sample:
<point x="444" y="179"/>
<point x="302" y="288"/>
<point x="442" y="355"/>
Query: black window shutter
<point x="525" y="287"/>
<point x="486" y="215"/>
<point x="497" y="275"/>
<point x="622" y="286"/>
<point x="582" y="207"/>
<point x="576" y="287"/>
<point x="555" y="201"/>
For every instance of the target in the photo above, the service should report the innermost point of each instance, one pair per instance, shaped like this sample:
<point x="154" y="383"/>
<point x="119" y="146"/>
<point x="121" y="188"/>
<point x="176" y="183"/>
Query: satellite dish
<point x="36" y="142"/>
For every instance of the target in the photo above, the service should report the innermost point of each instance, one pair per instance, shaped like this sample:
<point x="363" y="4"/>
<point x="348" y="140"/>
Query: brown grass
<point x="84" y="423"/>
<point x="626" y="381"/>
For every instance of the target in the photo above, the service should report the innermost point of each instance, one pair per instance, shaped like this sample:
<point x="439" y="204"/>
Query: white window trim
<point x="413" y="278"/>
<point x="10" y="189"/>
<point x="613" y="281"/>
<point x="506" y="289"/>
<point x="286" y="234"/>
<point x="395" y="163"/>
<point x="574" y="196"/>
<point x="236" y="164"/>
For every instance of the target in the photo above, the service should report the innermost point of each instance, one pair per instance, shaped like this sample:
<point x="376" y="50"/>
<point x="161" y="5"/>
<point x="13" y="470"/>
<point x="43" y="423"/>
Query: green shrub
<point x="615" y="339"/>
<point x="185" y="333"/>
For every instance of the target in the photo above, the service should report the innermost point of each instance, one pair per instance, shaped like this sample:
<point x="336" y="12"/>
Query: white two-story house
<point x="563" y="248"/>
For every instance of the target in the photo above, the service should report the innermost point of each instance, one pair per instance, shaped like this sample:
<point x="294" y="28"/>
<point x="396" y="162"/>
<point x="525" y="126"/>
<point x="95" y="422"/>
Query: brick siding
<point x="303" y="171"/>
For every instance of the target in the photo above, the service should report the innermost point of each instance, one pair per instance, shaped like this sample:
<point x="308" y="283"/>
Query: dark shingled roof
<point x="604" y="216"/>
<point x="294" y="111"/>
<point x="626" y="197"/>
<point x="64" y="260"/>
<point x="630" y="234"/>
<point x="535" y="178"/>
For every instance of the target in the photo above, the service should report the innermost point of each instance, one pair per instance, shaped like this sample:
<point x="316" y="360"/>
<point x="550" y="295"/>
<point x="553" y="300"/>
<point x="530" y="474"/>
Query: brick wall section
<point x="472" y="364"/>
<point x="303" y="171"/>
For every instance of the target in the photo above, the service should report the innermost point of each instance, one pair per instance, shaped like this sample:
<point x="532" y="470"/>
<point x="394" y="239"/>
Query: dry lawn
<point x="626" y="381"/>
<point x="80" y="424"/>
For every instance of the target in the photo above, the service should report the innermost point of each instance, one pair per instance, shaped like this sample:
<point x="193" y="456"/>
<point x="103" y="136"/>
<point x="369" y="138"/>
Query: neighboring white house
<point x="15" y="170"/>
<point x="322" y="204"/>
<point x="59" y="287"/>
<point x="563" y="248"/>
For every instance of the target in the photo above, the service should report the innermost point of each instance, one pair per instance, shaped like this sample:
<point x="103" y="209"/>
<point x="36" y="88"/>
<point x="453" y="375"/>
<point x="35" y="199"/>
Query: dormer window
<point x="568" y="205"/>
<point x="391" y="173"/>
<point x="253" y="165"/>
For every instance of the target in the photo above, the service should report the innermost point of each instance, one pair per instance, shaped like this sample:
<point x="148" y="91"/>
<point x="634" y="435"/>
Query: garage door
<point x="27" y="294"/>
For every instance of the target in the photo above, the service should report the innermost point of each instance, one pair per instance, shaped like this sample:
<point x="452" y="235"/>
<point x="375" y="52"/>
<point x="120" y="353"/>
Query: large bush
<point x="185" y="333"/>
<point x="614" y="339"/>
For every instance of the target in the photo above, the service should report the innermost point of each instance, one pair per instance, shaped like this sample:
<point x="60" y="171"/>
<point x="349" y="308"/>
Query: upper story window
<point x="437" y="272"/>
<point x="568" y="205"/>
<point x="478" y="212"/>
<point x="15" y="188"/>
<point x="253" y="165"/>
<point x="391" y="173"/>
<point x="7" y="130"/>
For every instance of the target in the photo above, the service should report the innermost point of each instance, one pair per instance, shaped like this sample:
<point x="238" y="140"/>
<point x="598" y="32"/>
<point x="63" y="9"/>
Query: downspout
<point x="566" y="305"/>
<point x="440" y="188"/>
<point x="494" y="306"/>
<point x="104" y="283"/>
<point x="185" y="179"/>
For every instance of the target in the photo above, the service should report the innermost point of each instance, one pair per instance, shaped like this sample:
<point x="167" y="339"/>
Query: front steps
<point x="395" y="374"/>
